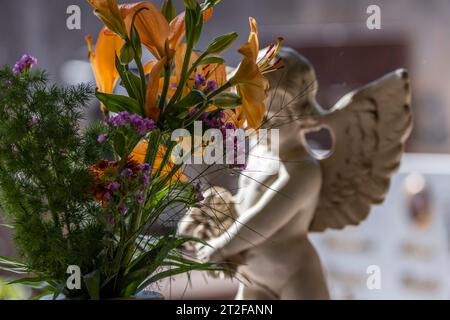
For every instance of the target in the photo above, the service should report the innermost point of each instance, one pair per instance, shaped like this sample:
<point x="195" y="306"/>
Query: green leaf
<point x="123" y="76"/>
<point x="12" y="265"/>
<point x="120" y="145"/>
<point x="211" y="60"/>
<point x="183" y="115"/>
<point x="150" y="261"/>
<point x="118" y="103"/>
<point x="210" y="4"/>
<point x="36" y="282"/>
<point x="190" y="4"/>
<point x="227" y="100"/>
<point x="136" y="42"/>
<point x="168" y="10"/>
<point x="198" y="29"/>
<point x="222" y="43"/>
<point x="135" y="84"/>
<point x="159" y="196"/>
<point x="7" y="226"/>
<point x="190" y="21"/>
<point x="126" y="53"/>
<point x="92" y="282"/>
<point x="194" y="24"/>
<point x="176" y="271"/>
<point x="194" y="98"/>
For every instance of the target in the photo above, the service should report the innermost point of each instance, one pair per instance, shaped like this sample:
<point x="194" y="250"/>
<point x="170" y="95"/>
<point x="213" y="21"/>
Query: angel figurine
<point x="269" y="219"/>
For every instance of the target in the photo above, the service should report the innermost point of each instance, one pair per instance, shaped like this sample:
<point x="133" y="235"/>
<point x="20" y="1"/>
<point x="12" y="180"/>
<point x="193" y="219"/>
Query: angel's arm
<point x="285" y="197"/>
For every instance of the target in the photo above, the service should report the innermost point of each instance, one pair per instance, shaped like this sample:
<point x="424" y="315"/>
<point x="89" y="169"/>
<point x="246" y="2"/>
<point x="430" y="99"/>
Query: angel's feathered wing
<point x="369" y="127"/>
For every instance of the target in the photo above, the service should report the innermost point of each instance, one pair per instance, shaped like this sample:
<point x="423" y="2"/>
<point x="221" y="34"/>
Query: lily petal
<point x="151" y="25"/>
<point x="251" y="84"/>
<point x="148" y="67"/>
<point x="178" y="28"/>
<point x="103" y="60"/>
<point x="153" y="89"/>
<point x="140" y="152"/>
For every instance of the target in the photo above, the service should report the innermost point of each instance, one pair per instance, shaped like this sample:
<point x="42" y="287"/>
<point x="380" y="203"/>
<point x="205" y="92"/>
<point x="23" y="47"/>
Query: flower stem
<point x="184" y="76"/>
<point x="143" y="83"/>
<point x="223" y="88"/>
<point x="165" y="87"/>
<point x="196" y="63"/>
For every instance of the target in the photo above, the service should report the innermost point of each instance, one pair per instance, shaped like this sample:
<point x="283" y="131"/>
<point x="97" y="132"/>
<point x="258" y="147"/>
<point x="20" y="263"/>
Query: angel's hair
<point x="293" y="89"/>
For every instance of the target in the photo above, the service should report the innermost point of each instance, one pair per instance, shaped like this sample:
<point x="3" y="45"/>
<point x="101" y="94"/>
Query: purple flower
<point x="112" y="220"/>
<point x="24" y="64"/>
<point x="145" y="180"/>
<point x="198" y="190"/>
<point x="174" y="86"/>
<point x="211" y="85"/>
<point x="34" y="120"/>
<point x="200" y="197"/>
<point x="102" y="138"/>
<point x="192" y="113"/>
<point x="199" y="80"/>
<point x="113" y="186"/>
<point x="142" y="126"/>
<point x="118" y="120"/>
<point x="126" y="173"/>
<point x="145" y="167"/>
<point x="123" y="209"/>
<point x="8" y="83"/>
<point x="140" y="198"/>
<point x="135" y="118"/>
<point x="106" y="197"/>
<point x="229" y="126"/>
<point x="14" y="148"/>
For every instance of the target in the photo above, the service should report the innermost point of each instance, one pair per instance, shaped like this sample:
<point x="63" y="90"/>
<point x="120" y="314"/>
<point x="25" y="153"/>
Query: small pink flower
<point x="123" y="209"/>
<point x="102" y="138"/>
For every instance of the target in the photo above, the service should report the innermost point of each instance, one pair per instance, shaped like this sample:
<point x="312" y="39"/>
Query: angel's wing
<point x="369" y="128"/>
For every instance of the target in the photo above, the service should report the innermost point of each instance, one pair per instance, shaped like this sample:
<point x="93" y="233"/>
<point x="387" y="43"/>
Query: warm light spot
<point x="414" y="183"/>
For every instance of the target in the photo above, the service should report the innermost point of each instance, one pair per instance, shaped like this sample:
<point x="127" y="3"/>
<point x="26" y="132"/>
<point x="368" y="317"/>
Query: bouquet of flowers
<point x="86" y="198"/>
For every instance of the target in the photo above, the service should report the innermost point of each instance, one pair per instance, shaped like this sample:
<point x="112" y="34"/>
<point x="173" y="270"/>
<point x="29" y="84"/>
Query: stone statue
<point x="264" y="228"/>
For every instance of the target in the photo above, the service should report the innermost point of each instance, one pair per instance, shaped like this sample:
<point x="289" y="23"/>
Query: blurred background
<point x="334" y="36"/>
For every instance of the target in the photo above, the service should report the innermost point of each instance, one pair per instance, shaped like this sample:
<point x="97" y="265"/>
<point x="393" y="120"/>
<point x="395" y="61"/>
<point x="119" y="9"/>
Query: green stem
<point x="143" y="82"/>
<point x="196" y="63"/>
<point x="165" y="87"/>
<point x="165" y="159"/>
<point x="184" y="78"/>
<point x="223" y="88"/>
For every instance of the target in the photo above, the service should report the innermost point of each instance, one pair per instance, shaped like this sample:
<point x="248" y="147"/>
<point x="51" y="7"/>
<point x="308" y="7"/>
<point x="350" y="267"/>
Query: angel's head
<point x="291" y="100"/>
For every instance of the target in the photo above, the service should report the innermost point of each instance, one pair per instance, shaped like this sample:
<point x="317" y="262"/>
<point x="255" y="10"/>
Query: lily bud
<point x="222" y="43"/>
<point x="108" y="12"/>
<point x="168" y="10"/>
<point x="227" y="100"/>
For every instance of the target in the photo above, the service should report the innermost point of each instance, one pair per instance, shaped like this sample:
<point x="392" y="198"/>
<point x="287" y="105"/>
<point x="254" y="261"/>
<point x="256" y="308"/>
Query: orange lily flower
<point x="157" y="34"/>
<point x="249" y="78"/>
<point x="108" y="12"/>
<point x="139" y="154"/>
<point x="103" y="60"/>
<point x="213" y="72"/>
<point x="152" y="108"/>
